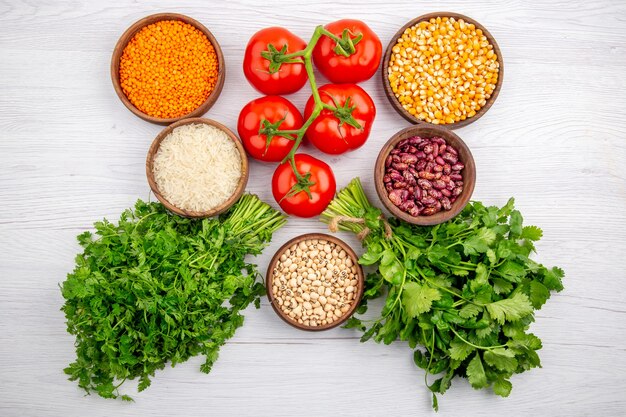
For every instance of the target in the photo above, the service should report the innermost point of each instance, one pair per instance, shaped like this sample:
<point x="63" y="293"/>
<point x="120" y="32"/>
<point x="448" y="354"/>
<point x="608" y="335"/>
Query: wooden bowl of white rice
<point x="197" y="167"/>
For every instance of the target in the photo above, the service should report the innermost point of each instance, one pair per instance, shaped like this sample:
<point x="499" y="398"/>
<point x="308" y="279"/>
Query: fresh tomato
<point x="267" y="116"/>
<point x="356" y="38"/>
<point x="264" y="65"/>
<point x="313" y="171"/>
<point x="348" y="126"/>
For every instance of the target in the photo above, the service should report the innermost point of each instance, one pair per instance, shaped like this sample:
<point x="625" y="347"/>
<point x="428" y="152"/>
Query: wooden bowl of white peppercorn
<point x="314" y="282"/>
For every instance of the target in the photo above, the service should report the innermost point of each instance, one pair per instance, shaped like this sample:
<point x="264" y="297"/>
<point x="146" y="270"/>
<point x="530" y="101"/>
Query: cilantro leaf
<point x="470" y="310"/>
<point x="459" y="350"/>
<point x="510" y="309"/>
<point x="501" y="359"/>
<point x="480" y="242"/>
<point x="515" y="221"/>
<point x="531" y="233"/>
<point x="502" y="387"/>
<point x="476" y="373"/>
<point x="418" y="299"/>
<point x="539" y="294"/>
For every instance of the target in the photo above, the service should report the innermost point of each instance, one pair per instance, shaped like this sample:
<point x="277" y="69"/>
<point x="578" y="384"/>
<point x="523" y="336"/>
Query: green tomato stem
<point x="306" y="55"/>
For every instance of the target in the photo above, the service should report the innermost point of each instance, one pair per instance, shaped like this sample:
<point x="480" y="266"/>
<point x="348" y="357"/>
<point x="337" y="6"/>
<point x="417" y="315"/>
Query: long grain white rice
<point x="197" y="167"/>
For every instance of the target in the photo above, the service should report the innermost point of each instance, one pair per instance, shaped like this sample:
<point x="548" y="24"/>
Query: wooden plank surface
<point x="71" y="153"/>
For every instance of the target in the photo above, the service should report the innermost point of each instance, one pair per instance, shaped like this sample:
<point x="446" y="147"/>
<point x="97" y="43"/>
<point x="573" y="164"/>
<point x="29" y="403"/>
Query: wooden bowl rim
<point x="394" y="101"/>
<point x="130" y="33"/>
<point x="308" y="236"/>
<point x="241" y="185"/>
<point x="469" y="173"/>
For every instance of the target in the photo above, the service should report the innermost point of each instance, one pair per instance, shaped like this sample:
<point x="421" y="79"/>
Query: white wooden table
<point x="71" y="153"/>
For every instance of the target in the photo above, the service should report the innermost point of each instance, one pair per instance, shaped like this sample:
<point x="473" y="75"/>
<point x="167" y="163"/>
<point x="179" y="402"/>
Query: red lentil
<point x="168" y="69"/>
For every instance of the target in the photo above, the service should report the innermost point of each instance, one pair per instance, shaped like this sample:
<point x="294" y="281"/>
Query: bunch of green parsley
<point x="157" y="288"/>
<point x="464" y="291"/>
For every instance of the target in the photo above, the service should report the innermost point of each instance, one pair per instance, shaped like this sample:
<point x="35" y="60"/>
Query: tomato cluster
<point x="338" y="117"/>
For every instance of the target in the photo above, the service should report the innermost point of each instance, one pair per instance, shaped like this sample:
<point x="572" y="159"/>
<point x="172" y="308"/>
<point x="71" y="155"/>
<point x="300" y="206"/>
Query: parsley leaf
<point x="155" y="288"/>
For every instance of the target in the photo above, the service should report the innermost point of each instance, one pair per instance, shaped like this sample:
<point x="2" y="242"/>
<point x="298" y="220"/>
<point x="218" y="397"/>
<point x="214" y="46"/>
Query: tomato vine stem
<point x="303" y="182"/>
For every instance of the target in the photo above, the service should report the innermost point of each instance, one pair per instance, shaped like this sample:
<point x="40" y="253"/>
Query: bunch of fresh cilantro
<point x="464" y="291"/>
<point x="157" y="288"/>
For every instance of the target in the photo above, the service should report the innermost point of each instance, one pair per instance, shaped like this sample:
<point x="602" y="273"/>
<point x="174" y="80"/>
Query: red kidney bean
<point x="423" y="175"/>
<point x="424" y="184"/>
<point x="409" y="178"/>
<point x="448" y="157"/>
<point x="396" y="176"/>
<point x="458" y="166"/>
<point x="407" y="205"/>
<point x="414" y="211"/>
<point x="415" y="140"/>
<point x="435" y="193"/>
<point x="408" y="158"/>
<point x="397" y="197"/>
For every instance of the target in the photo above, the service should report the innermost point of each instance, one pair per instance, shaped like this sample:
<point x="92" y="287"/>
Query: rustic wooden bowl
<point x="269" y="277"/>
<point x="241" y="185"/>
<point x="394" y="101"/>
<point x="427" y="130"/>
<point x="130" y="33"/>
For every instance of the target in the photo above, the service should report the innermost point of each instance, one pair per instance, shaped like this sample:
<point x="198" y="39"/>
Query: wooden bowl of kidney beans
<point x="425" y="175"/>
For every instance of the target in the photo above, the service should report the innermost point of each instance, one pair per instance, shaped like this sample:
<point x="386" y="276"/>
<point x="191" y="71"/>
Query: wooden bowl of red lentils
<point x="167" y="67"/>
<point x="442" y="68"/>
<point x="314" y="282"/>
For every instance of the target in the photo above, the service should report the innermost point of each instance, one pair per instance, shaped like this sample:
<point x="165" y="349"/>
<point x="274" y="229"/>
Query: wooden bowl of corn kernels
<point x="442" y="68"/>
<point x="314" y="282"/>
